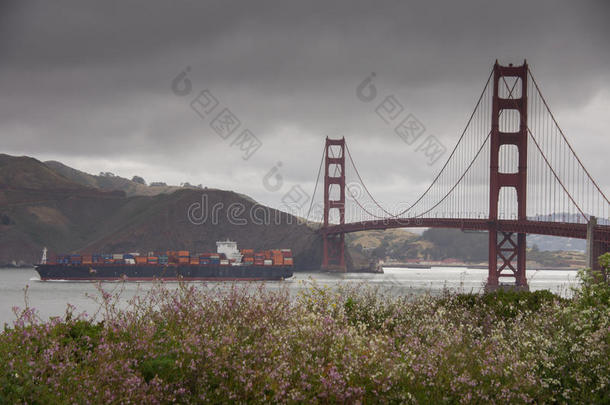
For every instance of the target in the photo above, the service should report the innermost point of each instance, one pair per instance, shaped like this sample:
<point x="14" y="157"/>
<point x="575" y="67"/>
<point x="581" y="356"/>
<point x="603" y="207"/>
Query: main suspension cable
<point x="442" y="169"/>
<point x="564" y="137"/>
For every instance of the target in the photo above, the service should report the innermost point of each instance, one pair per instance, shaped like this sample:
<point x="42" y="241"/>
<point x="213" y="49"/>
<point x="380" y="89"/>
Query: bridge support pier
<point x="333" y="256"/>
<point x="506" y="259"/>
<point x="595" y="247"/>
<point x="592" y="252"/>
<point x="334" y="253"/>
<point x="507" y="250"/>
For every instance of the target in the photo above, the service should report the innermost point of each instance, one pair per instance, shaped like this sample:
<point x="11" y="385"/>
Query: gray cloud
<point x="88" y="83"/>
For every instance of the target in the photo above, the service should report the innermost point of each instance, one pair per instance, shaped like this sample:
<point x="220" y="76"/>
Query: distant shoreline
<point x="468" y="266"/>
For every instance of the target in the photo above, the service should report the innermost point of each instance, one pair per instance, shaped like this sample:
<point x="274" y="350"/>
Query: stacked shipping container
<point x="280" y="257"/>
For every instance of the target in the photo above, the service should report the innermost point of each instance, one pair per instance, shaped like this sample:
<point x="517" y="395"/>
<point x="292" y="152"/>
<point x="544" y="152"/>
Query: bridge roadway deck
<point x="565" y="229"/>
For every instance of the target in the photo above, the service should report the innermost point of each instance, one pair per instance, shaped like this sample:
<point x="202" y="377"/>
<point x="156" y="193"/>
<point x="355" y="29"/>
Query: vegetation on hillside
<point x="352" y="345"/>
<point x="109" y="181"/>
<point x="439" y="244"/>
<point x="454" y="243"/>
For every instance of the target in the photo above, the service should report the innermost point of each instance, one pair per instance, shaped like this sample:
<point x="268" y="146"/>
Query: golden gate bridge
<point x="511" y="173"/>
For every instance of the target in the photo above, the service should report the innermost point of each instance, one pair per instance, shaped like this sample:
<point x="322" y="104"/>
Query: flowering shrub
<point x="199" y="344"/>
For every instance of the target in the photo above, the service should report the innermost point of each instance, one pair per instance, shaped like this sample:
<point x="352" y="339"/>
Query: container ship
<point x="228" y="263"/>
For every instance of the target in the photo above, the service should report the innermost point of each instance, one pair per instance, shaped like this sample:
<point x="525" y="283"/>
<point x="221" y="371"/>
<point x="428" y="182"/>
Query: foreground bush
<point x="199" y="345"/>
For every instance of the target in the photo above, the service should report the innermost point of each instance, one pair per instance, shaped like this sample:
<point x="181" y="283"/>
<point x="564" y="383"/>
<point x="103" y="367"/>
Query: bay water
<point x="51" y="298"/>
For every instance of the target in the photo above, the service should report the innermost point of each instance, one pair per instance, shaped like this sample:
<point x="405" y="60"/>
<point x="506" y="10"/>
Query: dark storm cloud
<point x="89" y="82"/>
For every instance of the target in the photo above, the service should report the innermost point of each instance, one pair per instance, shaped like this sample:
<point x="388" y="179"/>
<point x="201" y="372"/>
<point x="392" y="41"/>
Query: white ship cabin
<point x="229" y="248"/>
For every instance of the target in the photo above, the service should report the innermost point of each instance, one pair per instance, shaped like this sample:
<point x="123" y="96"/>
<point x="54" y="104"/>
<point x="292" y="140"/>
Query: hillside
<point x="40" y="207"/>
<point x="22" y="172"/>
<point x="399" y="245"/>
<point x="108" y="182"/>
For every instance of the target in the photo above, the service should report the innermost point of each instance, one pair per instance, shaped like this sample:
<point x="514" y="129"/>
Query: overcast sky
<point x="90" y="83"/>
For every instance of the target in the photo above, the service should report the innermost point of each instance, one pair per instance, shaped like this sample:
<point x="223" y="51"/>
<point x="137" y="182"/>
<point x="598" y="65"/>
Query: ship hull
<point x="148" y="272"/>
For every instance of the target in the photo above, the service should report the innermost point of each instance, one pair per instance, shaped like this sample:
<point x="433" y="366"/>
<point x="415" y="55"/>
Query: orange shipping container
<point x="183" y="253"/>
<point x="288" y="261"/>
<point x="140" y="260"/>
<point x="194" y="260"/>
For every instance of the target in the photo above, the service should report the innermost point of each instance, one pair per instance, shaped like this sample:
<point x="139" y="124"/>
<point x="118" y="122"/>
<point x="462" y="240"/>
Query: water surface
<point x="50" y="298"/>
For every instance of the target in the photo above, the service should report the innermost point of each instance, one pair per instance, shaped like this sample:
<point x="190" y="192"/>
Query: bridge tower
<point x="334" y="177"/>
<point x="507" y="249"/>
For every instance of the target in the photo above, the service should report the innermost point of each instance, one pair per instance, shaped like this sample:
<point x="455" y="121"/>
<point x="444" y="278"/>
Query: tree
<point x="604" y="263"/>
<point x="380" y="251"/>
<point x="5" y="219"/>
<point x="469" y="247"/>
<point x="138" y="179"/>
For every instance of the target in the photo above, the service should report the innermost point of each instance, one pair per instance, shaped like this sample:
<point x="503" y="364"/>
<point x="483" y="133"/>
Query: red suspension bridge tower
<point x="507" y="249"/>
<point x="333" y="257"/>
